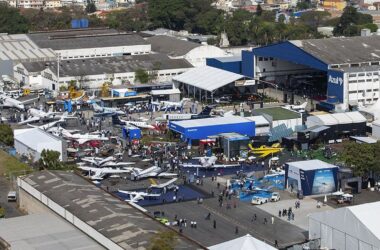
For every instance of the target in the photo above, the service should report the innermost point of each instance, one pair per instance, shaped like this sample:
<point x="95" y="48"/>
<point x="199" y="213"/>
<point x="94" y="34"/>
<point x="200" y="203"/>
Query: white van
<point x="12" y="196"/>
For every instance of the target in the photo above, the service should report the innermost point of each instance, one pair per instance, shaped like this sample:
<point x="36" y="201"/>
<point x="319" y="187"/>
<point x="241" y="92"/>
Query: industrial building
<point x="349" y="228"/>
<point x="195" y="53"/>
<point x="278" y="116"/>
<point x="193" y="130"/>
<point x="111" y="222"/>
<point x="91" y="43"/>
<point x="96" y="71"/>
<point x="342" y="71"/>
<point x="311" y="177"/>
<point x="31" y="142"/>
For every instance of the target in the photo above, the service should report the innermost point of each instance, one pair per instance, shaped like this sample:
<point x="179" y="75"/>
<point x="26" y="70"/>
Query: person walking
<point x="279" y="213"/>
<point x="265" y="221"/>
<point x="272" y="220"/>
<point x="214" y="224"/>
<point x="236" y="230"/>
<point x="275" y="243"/>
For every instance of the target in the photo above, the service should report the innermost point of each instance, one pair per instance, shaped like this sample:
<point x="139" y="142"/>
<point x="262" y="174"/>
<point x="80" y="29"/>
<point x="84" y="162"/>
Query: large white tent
<point x="246" y="242"/>
<point x="350" y="228"/>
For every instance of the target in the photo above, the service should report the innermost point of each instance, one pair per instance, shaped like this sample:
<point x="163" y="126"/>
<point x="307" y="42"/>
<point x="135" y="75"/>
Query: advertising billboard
<point x="335" y="86"/>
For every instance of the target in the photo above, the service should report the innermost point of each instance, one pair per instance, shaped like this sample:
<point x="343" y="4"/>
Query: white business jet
<point x="208" y="163"/>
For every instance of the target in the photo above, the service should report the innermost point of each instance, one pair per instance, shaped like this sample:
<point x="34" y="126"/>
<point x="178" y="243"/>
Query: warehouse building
<point x="19" y="48"/>
<point x="340" y="124"/>
<point x="343" y="71"/>
<point x="30" y="143"/>
<point x="194" y="130"/>
<point x="96" y="71"/>
<point x="175" y="48"/>
<point x="91" y="43"/>
<point x="349" y="228"/>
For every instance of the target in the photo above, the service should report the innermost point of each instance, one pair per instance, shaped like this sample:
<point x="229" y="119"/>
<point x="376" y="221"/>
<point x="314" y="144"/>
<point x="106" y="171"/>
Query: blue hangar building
<point x="198" y="129"/>
<point x="346" y="70"/>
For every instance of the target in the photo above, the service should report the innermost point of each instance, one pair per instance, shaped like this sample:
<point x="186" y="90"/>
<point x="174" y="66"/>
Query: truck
<point x="275" y="197"/>
<point x="259" y="200"/>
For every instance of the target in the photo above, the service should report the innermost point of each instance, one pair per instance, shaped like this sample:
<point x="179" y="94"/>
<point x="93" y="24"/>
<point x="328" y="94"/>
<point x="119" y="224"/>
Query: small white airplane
<point x="80" y="138"/>
<point x="37" y="115"/>
<point x="117" y="120"/>
<point x="166" y="105"/>
<point x="51" y="125"/>
<point x="299" y="108"/>
<point x="137" y="196"/>
<point x="8" y="102"/>
<point x="104" y="111"/>
<point x="169" y="184"/>
<point x="98" y="161"/>
<point x="101" y="173"/>
<point x="208" y="163"/>
<point x="150" y="172"/>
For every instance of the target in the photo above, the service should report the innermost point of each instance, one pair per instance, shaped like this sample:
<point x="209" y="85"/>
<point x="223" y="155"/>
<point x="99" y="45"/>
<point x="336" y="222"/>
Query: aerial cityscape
<point x="189" y="124"/>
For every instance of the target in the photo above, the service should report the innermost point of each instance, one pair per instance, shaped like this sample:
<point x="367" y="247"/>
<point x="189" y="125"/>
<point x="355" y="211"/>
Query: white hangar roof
<point x="208" y="78"/>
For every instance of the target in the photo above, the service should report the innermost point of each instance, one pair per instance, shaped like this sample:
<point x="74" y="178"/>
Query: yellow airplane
<point x="264" y="151"/>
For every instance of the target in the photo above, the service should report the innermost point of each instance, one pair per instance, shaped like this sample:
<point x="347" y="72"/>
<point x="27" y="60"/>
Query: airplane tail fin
<point x="116" y="119"/>
<point x="206" y="110"/>
<point x="303" y="105"/>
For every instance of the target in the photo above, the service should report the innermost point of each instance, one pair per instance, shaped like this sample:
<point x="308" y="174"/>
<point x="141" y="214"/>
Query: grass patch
<point x="11" y="165"/>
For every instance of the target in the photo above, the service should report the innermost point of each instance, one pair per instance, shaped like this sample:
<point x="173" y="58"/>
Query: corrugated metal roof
<point x="211" y="121"/>
<point x="208" y="78"/>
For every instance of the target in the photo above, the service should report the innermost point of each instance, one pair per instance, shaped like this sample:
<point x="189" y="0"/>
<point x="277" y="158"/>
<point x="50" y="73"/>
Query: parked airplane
<point x="106" y="111"/>
<point x="8" y="102"/>
<point x="98" y="161"/>
<point x="80" y="138"/>
<point x="205" y="113"/>
<point x="168" y="185"/>
<point x="117" y="120"/>
<point x="167" y="105"/>
<point x="137" y="196"/>
<point x="264" y="151"/>
<point x="37" y="115"/>
<point x="208" y="163"/>
<point x="150" y="172"/>
<point x="299" y="108"/>
<point x="51" y="125"/>
<point x="101" y="173"/>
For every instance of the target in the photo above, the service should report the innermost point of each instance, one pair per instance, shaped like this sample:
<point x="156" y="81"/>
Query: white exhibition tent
<point x="246" y="242"/>
<point x="350" y="228"/>
<point x="335" y="119"/>
<point x="207" y="78"/>
<point x="373" y="110"/>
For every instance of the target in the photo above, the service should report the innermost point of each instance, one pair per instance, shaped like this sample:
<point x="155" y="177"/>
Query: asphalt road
<point x="11" y="209"/>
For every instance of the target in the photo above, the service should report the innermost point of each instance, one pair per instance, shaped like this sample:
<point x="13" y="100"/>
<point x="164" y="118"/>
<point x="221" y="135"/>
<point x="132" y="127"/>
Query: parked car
<point x="259" y="200"/>
<point x="12" y="196"/>
<point x="275" y="197"/>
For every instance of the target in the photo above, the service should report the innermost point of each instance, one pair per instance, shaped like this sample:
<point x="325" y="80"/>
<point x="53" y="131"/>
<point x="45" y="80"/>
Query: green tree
<point x="259" y="10"/>
<point x="90" y="7"/>
<point x="303" y="5"/>
<point x="142" y="76"/>
<point x="164" y="240"/>
<point x="11" y="21"/>
<point x="350" y="21"/>
<point x="6" y="134"/>
<point x="314" y="18"/>
<point x="368" y="160"/>
<point x="50" y="159"/>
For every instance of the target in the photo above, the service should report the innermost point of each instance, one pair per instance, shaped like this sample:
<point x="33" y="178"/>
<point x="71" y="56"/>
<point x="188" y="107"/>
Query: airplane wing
<point x="117" y="164"/>
<point x="189" y="165"/>
<point x="167" y="174"/>
<point x="29" y="100"/>
<point x="162" y="185"/>
<point x="31" y="119"/>
<point x="225" y="165"/>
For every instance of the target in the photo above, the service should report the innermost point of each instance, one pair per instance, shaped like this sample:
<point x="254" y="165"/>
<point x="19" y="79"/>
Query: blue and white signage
<point x="335" y="86"/>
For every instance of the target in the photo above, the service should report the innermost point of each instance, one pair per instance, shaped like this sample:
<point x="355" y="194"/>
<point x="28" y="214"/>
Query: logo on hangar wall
<point x="336" y="80"/>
